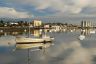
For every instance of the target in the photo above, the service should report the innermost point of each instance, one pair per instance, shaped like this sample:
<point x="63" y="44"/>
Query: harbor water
<point x="67" y="49"/>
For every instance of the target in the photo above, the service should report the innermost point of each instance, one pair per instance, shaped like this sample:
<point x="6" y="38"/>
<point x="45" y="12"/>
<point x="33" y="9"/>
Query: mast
<point x="29" y="30"/>
<point x="28" y="56"/>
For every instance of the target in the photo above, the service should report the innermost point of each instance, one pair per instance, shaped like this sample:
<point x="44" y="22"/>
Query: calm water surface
<point x="67" y="50"/>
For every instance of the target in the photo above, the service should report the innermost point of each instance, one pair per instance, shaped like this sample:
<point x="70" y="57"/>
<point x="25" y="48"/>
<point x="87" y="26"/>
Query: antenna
<point x="29" y="49"/>
<point x="29" y="27"/>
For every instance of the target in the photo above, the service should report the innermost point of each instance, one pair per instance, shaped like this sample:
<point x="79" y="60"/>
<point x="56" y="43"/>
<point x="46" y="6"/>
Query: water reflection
<point x="35" y="32"/>
<point x="67" y="50"/>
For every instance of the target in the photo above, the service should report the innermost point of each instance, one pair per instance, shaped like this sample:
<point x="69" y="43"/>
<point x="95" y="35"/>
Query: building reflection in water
<point x="36" y="33"/>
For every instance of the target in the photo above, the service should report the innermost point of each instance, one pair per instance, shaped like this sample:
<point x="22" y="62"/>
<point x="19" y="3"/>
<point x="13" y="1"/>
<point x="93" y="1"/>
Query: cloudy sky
<point x="30" y="8"/>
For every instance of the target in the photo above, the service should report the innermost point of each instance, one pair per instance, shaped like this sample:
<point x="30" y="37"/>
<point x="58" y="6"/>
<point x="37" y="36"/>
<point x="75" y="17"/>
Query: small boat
<point x="81" y="37"/>
<point x="92" y="32"/>
<point x="29" y="42"/>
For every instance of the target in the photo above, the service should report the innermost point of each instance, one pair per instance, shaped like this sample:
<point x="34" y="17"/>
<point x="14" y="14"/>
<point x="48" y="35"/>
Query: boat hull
<point x="28" y="40"/>
<point x="26" y="43"/>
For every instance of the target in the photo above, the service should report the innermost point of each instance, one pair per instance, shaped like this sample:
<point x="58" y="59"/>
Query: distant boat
<point x="92" y="31"/>
<point x="81" y="37"/>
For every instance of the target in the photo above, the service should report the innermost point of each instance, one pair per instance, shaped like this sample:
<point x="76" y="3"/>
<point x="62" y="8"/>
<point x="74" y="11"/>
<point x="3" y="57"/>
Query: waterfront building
<point x="46" y="28"/>
<point x="87" y="24"/>
<point x="37" y="23"/>
<point x="56" y="28"/>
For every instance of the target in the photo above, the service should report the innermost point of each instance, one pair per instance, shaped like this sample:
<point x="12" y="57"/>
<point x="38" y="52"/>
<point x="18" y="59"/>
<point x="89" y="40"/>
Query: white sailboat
<point x="32" y="42"/>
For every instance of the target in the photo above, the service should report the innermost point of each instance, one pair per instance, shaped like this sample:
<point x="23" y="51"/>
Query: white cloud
<point x="11" y="12"/>
<point x="65" y="6"/>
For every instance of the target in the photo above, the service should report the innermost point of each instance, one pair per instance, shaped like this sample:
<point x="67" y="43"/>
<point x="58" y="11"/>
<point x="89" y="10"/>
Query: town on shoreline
<point x="6" y="26"/>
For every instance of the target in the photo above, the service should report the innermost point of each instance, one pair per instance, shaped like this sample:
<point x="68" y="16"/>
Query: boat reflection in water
<point x="33" y="42"/>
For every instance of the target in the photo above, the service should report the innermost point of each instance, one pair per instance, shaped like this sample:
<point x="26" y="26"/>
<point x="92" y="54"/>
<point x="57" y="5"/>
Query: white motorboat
<point x="26" y="42"/>
<point x="30" y="42"/>
<point x="92" y="32"/>
<point x="81" y="37"/>
<point x="23" y="42"/>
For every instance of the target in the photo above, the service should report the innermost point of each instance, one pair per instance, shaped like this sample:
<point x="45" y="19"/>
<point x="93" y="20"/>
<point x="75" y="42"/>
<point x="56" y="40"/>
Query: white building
<point x="56" y="28"/>
<point x="37" y="23"/>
